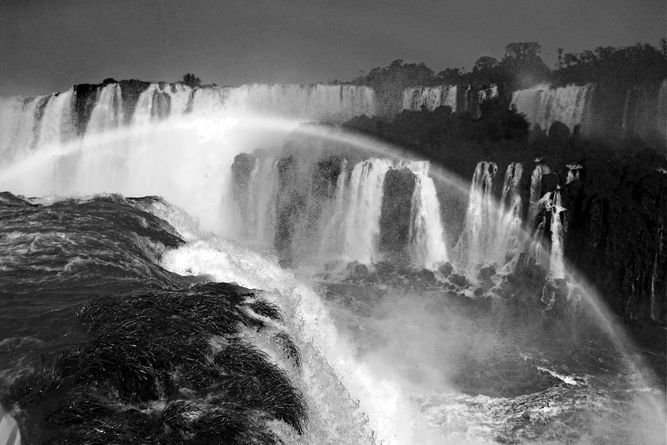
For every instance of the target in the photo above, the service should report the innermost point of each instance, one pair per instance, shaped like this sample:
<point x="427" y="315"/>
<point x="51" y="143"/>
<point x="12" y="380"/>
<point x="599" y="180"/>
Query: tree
<point x="523" y="65"/>
<point x="485" y="63"/>
<point x="523" y="51"/>
<point x="191" y="80"/>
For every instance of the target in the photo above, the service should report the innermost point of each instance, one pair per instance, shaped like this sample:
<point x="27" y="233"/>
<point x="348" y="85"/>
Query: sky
<point x="49" y="45"/>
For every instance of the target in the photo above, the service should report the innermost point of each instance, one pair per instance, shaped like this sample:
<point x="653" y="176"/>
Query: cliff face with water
<point x="599" y="110"/>
<point x="616" y="226"/>
<point x="370" y="210"/>
<point x="330" y="209"/>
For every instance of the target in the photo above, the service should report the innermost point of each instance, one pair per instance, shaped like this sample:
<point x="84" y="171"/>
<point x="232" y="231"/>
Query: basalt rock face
<point x="396" y="214"/>
<point x="615" y="234"/>
<point x="85" y="96"/>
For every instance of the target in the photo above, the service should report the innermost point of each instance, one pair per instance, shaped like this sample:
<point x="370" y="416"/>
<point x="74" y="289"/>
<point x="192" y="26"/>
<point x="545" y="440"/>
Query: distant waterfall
<point x="536" y="191"/>
<point x="339" y="217"/>
<point x="662" y="111"/>
<point x="551" y="210"/>
<point x="480" y="222"/>
<point x="430" y="97"/>
<point x="508" y="231"/>
<point x="334" y="226"/>
<point x="426" y="233"/>
<point x="556" y="266"/>
<point x="34" y="121"/>
<point x="319" y="102"/>
<point x="544" y="105"/>
<point x="492" y="231"/>
<point x="362" y="219"/>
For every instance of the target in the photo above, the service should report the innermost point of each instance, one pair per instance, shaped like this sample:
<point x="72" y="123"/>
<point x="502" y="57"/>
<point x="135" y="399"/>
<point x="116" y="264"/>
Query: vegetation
<point x="522" y="66"/>
<point x="191" y="80"/>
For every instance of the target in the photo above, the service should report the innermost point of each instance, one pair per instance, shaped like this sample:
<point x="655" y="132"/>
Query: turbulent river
<point x="165" y="281"/>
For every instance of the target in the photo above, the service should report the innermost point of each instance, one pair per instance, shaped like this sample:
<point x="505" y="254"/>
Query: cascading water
<point x="556" y="265"/>
<point x="544" y="105"/>
<point x="362" y="218"/>
<point x="508" y="231"/>
<point x="492" y="233"/>
<point x="480" y="221"/>
<point x="536" y="191"/>
<point x="426" y="232"/>
<point x="662" y="111"/>
<point x="333" y="232"/>
<point x="262" y="191"/>
<point x="416" y="98"/>
<point x="108" y="111"/>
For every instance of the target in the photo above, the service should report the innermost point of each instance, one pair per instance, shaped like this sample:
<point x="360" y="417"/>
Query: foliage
<point x="191" y="80"/>
<point x="614" y="67"/>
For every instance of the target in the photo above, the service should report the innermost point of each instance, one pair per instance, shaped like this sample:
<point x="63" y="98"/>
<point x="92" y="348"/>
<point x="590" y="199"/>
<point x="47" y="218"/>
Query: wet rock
<point x="446" y="269"/>
<point x="384" y="269"/>
<point x="459" y="280"/>
<point x="486" y="272"/>
<point x="399" y="186"/>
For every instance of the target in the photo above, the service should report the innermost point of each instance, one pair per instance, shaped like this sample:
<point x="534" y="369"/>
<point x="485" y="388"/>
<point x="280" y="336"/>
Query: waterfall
<point x="573" y="172"/>
<point x="33" y="121"/>
<point x="362" y="216"/>
<point x="332" y="233"/>
<point x="345" y="219"/>
<point x="487" y="94"/>
<point x="56" y="124"/>
<point x="536" y="191"/>
<point x="544" y="105"/>
<point x="21" y="124"/>
<point x="426" y="231"/>
<point x="508" y="231"/>
<point x="556" y="266"/>
<point x="492" y="233"/>
<point x="662" y="112"/>
<point x="108" y="111"/>
<point x="262" y="191"/>
<point x="480" y="222"/>
<point x="430" y="97"/>
<point x="320" y="102"/>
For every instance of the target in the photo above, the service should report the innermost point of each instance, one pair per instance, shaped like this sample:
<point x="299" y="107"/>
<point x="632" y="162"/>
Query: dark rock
<point x="399" y="186"/>
<point x="446" y="269"/>
<point x="384" y="269"/>
<point x="459" y="280"/>
<point x="325" y="175"/>
<point x="130" y="91"/>
<point x="425" y="276"/>
<point x="549" y="182"/>
<point x="85" y="96"/>
<point x="486" y="272"/>
<point x="559" y="133"/>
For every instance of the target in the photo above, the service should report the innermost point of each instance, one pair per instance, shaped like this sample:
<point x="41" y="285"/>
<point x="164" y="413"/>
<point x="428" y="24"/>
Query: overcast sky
<point x="49" y="45"/>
